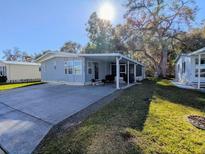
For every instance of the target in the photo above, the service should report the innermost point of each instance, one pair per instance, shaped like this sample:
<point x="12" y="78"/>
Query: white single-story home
<point x="84" y="69"/>
<point x="15" y="71"/>
<point x="190" y="68"/>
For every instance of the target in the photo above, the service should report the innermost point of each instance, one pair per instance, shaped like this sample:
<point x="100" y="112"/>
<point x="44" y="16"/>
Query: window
<point x="90" y="71"/>
<point x="66" y="71"/>
<point x="65" y="61"/>
<point x="77" y="64"/>
<point x="70" y="66"/>
<point x="73" y="67"/>
<point x="122" y="68"/>
<point x="196" y="61"/>
<point x="39" y="69"/>
<point x="138" y="70"/>
<point x="183" y="67"/>
<point x="4" y="72"/>
<point x="113" y="68"/>
<point x="54" y="65"/>
<point x="202" y="73"/>
<point x="131" y="70"/>
<point x="202" y="60"/>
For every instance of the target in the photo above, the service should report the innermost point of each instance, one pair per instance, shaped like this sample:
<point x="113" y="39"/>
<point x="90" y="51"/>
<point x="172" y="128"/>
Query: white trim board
<point x="63" y="54"/>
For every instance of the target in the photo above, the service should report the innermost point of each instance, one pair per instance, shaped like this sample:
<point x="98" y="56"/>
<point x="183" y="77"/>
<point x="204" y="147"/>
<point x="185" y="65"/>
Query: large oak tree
<point x="155" y="24"/>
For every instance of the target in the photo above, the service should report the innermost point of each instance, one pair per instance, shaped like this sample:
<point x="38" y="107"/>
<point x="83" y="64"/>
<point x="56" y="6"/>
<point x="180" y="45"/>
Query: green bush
<point x="3" y="79"/>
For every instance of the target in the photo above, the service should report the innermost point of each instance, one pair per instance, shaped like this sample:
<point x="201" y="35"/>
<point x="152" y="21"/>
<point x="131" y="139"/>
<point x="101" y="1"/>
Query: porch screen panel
<point x="202" y="73"/>
<point x="113" y="68"/>
<point x="138" y="70"/>
<point x="122" y="69"/>
<point x="202" y="60"/>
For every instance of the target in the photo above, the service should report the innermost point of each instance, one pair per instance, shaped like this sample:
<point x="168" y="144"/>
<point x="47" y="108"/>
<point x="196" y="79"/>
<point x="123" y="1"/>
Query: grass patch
<point x="17" y="85"/>
<point x="131" y="124"/>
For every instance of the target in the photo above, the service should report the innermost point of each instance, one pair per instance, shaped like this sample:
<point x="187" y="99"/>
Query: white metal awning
<point x="200" y="51"/>
<point x="111" y="57"/>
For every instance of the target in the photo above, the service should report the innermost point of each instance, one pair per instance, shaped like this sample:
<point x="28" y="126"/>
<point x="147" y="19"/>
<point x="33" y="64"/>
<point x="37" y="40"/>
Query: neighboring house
<point x="83" y="69"/>
<point x="20" y="71"/>
<point x="190" y="68"/>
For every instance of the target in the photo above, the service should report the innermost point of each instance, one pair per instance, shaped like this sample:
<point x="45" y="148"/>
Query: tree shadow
<point x="187" y="97"/>
<point x="138" y="108"/>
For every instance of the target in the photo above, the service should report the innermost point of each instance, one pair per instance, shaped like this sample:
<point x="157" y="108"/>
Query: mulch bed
<point x="197" y="121"/>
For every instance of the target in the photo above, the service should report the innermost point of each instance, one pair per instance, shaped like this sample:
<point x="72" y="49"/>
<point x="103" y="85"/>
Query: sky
<point x="37" y="25"/>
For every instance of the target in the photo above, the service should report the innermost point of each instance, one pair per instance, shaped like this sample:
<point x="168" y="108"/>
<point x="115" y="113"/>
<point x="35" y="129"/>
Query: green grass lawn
<point x="17" y="85"/>
<point x="132" y="124"/>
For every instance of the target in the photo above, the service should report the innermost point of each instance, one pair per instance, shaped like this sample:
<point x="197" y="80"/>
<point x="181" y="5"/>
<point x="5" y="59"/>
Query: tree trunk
<point x="157" y="71"/>
<point x="163" y="64"/>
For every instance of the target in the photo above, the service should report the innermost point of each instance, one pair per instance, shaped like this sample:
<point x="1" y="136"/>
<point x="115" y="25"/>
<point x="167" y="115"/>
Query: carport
<point x="120" y="65"/>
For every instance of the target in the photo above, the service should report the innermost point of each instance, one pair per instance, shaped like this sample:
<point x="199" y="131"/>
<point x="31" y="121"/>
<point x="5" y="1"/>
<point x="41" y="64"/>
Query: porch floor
<point x="123" y="85"/>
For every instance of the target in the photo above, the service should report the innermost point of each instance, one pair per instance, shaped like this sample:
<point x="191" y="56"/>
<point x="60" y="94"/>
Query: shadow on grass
<point x="102" y="132"/>
<point x="187" y="97"/>
<point x="130" y="109"/>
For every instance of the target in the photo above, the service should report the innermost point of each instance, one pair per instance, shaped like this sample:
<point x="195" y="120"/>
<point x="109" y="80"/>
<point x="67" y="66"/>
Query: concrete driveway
<point x="27" y="114"/>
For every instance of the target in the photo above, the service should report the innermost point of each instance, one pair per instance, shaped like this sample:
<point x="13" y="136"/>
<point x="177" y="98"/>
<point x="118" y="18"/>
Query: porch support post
<point x="199" y="71"/>
<point x="128" y="72"/>
<point x="134" y="72"/>
<point x="117" y="73"/>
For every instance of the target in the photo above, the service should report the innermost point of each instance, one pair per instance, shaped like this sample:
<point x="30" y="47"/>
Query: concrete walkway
<point x="27" y="114"/>
<point x="182" y="85"/>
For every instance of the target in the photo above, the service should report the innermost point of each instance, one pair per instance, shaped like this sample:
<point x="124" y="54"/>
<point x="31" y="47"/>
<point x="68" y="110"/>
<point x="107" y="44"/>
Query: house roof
<point x="51" y="55"/>
<point x="179" y="56"/>
<point x="18" y="63"/>
<point x="191" y="54"/>
<point x="197" y="51"/>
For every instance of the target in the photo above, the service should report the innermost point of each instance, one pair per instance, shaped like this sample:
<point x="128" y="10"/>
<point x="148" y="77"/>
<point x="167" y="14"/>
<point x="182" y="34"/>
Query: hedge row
<point x="3" y="79"/>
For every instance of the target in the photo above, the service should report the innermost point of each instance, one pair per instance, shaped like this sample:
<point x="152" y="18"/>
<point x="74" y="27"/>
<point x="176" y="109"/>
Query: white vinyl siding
<point x="23" y="72"/>
<point x="68" y="70"/>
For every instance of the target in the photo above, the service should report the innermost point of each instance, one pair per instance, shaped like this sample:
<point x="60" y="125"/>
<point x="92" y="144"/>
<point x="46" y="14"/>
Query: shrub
<point x="3" y="79"/>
